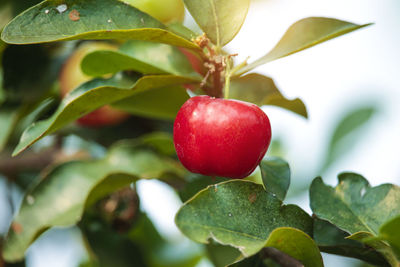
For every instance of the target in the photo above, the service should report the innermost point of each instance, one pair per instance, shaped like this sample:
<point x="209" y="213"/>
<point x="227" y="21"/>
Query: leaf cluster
<point x="152" y="73"/>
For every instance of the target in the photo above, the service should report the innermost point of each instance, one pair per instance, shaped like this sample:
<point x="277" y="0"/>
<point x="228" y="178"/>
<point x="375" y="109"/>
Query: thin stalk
<point x="227" y="79"/>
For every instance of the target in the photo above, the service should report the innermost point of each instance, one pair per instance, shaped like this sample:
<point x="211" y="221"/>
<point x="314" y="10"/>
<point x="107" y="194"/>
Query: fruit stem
<point x="227" y="78"/>
<point x="218" y="89"/>
<point x="215" y="63"/>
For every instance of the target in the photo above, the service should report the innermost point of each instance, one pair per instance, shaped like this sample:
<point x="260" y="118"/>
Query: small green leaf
<point x="349" y="124"/>
<point x="359" y="209"/>
<point x="61" y="197"/>
<point x="141" y="56"/>
<point x="303" y="34"/>
<point x="331" y="239"/>
<point x="276" y="176"/>
<point x="90" y="96"/>
<point x="238" y="213"/>
<point x="354" y="205"/>
<point x="94" y="19"/>
<point x="291" y="243"/>
<point x="296" y="244"/>
<point x="390" y="232"/>
<point x="261" y="90"/>
<point x="358" y="206"/>
<point x="220" y="255"/>
<point x="152" y="103"/>
<point x="380" y="246"/>
<point x="221" y="20"/>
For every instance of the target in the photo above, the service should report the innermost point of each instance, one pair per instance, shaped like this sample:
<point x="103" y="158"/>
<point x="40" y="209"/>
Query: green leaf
<point x="141" y="56"/>
<point x="181" y="30"/>
<point x="14" y="117"/>
<point x="238" y="213"/>
<point x="296" y="244"/>
<point x="303" y="34"/>
<point x="5" y="14"/>
<point x="61" y="197"/>
<point x="344" y="136"/>
<point x="331" y="239"/>
<point x="292" y="242"/>
<point x="261" y="90"/>
<point x="380" y="246"/>
<point x="153" y="104"/>
<point x="160" y="141"/>
<point x="358" y="206"/>
<point x="220" y="255"/>
<point x="275" y="174"/>
<point x="97" y="19"/>
<point x="221" y="20"/>
<point x="390" y="232"/>
<point x="90" y="96"/>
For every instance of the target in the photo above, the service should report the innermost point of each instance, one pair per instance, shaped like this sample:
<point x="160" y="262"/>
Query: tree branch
<point x="279" y="257"/>
<point x="10" y="167"/>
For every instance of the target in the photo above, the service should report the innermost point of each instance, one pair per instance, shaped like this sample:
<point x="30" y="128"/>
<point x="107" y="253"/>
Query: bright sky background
<point x="332" y="78"/>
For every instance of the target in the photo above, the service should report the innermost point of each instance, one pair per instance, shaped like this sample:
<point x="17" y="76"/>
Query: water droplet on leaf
<point x="363" y="191"/>
<point x="62" y="8"/>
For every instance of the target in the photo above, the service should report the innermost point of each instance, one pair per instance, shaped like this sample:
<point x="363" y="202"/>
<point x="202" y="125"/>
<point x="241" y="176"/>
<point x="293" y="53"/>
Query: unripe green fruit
<point x="166" y="11"/>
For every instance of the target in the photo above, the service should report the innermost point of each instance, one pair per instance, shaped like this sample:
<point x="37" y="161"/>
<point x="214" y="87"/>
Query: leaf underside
<point x="304" y="34"/>
<point x="90" y="96"/>
<point x="220" y="20"/>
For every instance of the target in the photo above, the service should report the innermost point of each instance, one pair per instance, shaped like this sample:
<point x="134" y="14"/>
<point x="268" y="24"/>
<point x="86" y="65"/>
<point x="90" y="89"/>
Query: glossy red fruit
<point x="219" y="137"/>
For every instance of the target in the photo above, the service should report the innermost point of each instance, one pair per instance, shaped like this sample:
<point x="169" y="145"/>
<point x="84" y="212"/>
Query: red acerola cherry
<point x="219" y="137"/>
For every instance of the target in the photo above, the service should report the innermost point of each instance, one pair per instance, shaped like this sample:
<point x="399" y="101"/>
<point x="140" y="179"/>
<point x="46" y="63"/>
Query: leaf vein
<point x="225" y="230"/>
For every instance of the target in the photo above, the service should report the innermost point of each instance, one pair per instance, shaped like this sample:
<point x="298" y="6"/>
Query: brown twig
<point x="279" y="257"/>
<point x="2" y="263"/>
<point x="215" y="64"/>
<point x="37" y="161"/>
<point x="10" y="167"/>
